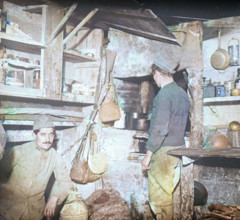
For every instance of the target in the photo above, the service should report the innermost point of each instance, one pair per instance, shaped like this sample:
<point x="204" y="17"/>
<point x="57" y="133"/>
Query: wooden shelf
<point x="136" y="156"/>
<point x="21" y="65"/>
<point x="75" y="57"/>
<point x="22" y="44"/>
<point x="70" y="97"/>
<point x="8" y="90"/>
<point x="141" y="135"/>
<point x="207" y="152"/>
<point x="221" y="100"/>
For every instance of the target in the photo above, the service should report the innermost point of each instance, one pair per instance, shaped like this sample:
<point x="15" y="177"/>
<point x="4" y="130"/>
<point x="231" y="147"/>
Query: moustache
<point x="47" y="142"/>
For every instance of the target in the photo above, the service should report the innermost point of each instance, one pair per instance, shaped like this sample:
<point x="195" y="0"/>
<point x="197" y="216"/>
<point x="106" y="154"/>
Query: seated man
<point x="28" y="168"/>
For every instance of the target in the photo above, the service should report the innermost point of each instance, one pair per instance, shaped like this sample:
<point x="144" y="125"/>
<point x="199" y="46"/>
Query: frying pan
<point x="220" y="58"/>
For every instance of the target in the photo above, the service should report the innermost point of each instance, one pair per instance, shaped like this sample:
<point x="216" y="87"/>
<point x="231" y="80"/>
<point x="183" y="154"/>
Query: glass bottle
<point x="237" y="80"/>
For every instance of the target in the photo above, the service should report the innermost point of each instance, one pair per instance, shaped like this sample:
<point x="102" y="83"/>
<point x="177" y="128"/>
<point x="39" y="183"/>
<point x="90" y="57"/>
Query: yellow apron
<point x="163" y="176"/>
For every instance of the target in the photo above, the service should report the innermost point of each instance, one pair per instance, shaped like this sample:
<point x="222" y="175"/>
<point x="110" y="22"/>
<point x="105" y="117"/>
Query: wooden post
<point x="53" y="56"/>
<point x="190" y="57"/>
<point x="187" y="192"/>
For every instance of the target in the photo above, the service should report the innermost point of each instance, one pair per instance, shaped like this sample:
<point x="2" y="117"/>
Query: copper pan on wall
<point x="220" y="59"/>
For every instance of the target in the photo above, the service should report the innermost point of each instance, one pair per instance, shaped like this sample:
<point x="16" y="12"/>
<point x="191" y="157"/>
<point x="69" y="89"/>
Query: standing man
<point x="27" y="169"/>
<point x="168" y="123"/>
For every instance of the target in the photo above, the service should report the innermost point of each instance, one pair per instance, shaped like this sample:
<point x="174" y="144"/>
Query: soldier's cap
<point x="43" y="121"/>
<point x="166" y="63"/>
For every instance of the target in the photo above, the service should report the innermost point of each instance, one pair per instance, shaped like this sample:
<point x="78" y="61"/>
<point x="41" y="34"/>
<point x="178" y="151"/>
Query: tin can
<point x="220" y="91"/>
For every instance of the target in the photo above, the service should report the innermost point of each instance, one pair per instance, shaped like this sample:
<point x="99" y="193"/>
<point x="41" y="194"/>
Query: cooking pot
<point x="200" y="194"/>
<point x="137" y="121"/>
<point x="220" y="59"/>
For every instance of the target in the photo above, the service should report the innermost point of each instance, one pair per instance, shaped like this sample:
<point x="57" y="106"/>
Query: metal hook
<point x="212" y="109"/>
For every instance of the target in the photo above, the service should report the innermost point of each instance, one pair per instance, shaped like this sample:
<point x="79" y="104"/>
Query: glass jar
<point x="233" y="50"/>
<point x="229" y="85"/>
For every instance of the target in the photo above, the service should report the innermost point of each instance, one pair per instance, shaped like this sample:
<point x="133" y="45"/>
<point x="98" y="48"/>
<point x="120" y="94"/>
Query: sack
<point x="109" y="112"/>
<point x="81" y="172"/>
<point x="107" y="204"/>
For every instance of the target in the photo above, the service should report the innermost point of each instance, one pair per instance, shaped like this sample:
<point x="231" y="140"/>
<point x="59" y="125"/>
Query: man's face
<point x="156" y="75"/>
<point x="45" y="137"/>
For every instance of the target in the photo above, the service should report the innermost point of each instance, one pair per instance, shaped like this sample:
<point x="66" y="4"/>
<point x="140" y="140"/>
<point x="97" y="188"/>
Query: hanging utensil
<point x="220" y="58"/>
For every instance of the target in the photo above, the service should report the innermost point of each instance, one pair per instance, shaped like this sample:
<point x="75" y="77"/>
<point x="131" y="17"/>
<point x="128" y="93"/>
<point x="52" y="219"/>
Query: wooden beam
<point x="65" y="137"/>
<point x="33" y="8"/>
<point x="14" y="136"/>
<point x="145" y="14"/>
<point x="30" y="123"/>
<point x="13" y="111"/>
<point x="84" y="21"/>
<point x="63" y="21"/>
<point x="33" y="117"/>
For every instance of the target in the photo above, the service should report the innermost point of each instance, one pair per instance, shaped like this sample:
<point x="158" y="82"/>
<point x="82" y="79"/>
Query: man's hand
<point x="50" y="207"/>
<point x="1" y="151"/>
<point x="146" y="161"/>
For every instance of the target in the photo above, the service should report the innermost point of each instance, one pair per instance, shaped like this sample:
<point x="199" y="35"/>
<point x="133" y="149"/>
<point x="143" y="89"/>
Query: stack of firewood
<point x="218" y="211"/>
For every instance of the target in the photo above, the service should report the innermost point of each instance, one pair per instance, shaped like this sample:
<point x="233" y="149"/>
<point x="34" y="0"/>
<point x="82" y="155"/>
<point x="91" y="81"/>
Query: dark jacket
<point x="169" y="117"/>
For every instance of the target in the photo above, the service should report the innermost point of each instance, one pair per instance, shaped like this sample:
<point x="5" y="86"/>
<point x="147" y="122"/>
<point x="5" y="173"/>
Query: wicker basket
<point x="74" y="208"/>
